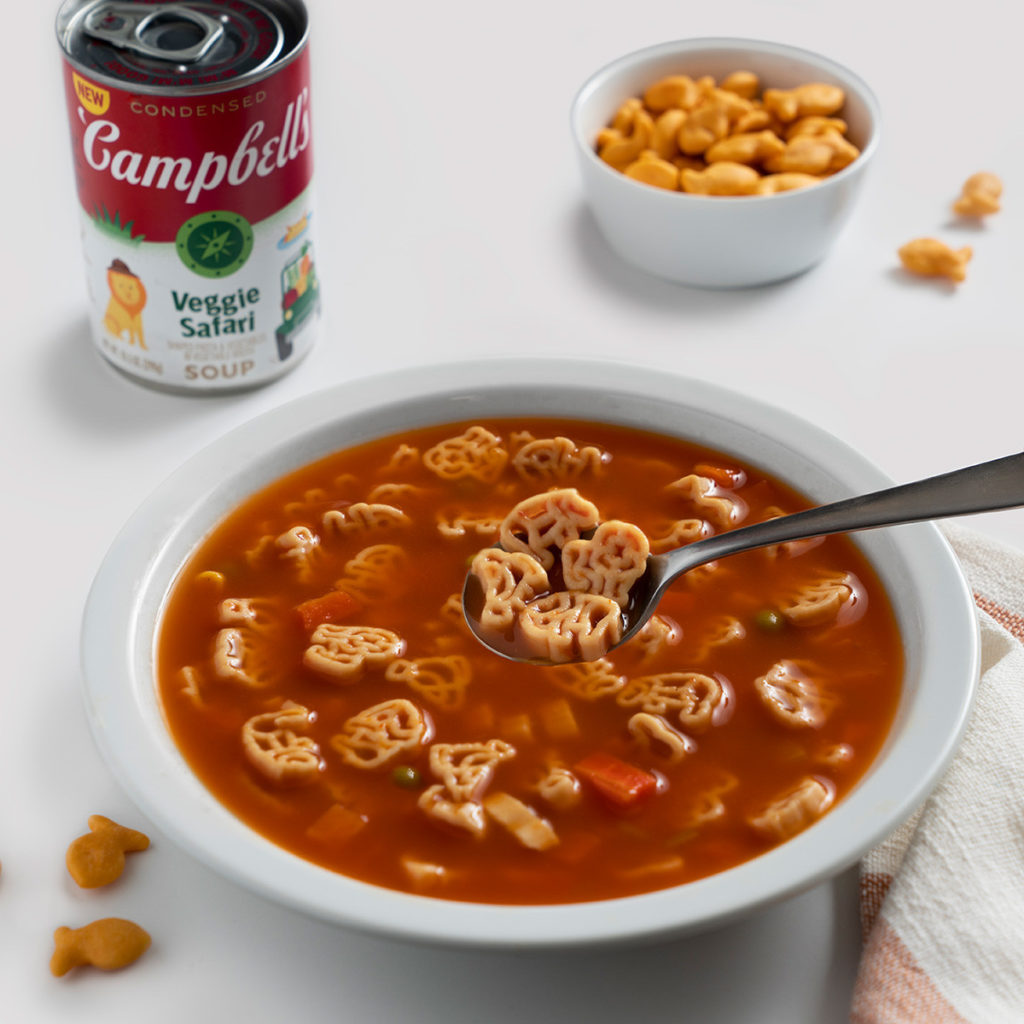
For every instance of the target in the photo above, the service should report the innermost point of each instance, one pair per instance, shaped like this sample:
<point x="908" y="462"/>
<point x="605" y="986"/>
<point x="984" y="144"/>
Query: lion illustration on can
<point x="127" y="299"/>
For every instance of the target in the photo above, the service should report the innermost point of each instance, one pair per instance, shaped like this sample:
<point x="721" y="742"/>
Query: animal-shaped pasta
<point x="452" y="614"/>
<point x="653" y="733"/>
<point x="310" y="502"/>
<point x="721" y="631"/>
<point x="97" y="858"/>
<point x="545" y="521"/>
<point x="555" y="460"/>
<point x="344" y="652"/>
<point x="794" y="810"/>
<point x="300" y="546"/>
<point x="363" y="517"/>
<point x="569" y="624"/>
<point x="791" y="696"/>
<point x="274" y="747"/>
<point x="475" y="454"/>
<point x="819" y="601"/>
<point x="395" y="494"/>
<point x="560" y="788"/>
<point x="236" y="611"/>
<point x="588" y="680"/>
<point x="677" y="533"/>
<point x="721" y="510"/>
<point x="465" y="523"/>
<point x="789" y="548"/>
<point x="404" y="457"/>
<point x="656" y="635"/>
<point x="465" y="814"/>
<point x="381" y="734"/>
<point x="377" y="573"/>
<point x="237" y="659"/>
<point x="466" y="769"/>
<point x="509" y="579"/>
<point x="441" y="681"/>
<point x="609" y="563"/>
<point x="693" y="696"/>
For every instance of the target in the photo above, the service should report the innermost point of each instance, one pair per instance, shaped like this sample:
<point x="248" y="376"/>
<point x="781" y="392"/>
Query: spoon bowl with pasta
<point x="986" y="487"/>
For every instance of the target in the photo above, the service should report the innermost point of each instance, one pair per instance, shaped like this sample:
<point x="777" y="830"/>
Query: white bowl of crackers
<point x="723" y="163"/>
<point x="745" y="750"/>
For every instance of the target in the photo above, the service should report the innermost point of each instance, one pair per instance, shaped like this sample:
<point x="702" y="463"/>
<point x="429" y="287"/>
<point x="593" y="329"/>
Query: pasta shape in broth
<point x="319" y="676"/>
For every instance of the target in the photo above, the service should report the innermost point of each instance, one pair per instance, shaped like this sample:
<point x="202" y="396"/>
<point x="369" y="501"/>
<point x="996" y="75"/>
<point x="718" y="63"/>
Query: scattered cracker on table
<point x="97" y="858"/>
<point x="930" y="257"/>
<point x="109" y="944"/>
<point x="979" y="195"/>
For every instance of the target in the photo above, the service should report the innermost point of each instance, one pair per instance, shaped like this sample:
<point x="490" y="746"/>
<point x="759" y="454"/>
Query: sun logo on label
<point x="214" y="244"/>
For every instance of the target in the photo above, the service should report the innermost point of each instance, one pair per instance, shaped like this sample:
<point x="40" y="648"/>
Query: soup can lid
<point x="179" y="45"/>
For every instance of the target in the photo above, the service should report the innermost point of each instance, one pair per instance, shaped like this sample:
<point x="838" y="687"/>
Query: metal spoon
<point x="987" y="487"/>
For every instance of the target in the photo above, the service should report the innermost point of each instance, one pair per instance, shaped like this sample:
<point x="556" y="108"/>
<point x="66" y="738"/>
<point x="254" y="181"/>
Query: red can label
<point x="197" y="213"/>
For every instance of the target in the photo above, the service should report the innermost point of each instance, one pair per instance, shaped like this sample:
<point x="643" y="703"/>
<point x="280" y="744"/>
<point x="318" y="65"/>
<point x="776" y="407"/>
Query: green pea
<point x="406" y="776"/>
<point x="769" y="620"/>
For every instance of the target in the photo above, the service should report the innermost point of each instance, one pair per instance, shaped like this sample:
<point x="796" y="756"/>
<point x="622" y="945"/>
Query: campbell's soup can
<point x="193" y="154"/>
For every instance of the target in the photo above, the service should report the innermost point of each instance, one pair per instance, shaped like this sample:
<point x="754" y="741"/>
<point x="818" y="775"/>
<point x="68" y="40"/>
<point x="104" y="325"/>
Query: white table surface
<point x="449" y="223"/>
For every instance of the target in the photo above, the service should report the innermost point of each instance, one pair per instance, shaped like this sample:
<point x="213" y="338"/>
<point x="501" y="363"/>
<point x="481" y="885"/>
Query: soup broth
<point x="317" y="675"/>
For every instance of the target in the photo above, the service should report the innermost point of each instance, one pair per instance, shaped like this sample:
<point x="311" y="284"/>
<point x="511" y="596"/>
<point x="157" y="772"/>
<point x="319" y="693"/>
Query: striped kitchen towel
<point x="942" y="899"/>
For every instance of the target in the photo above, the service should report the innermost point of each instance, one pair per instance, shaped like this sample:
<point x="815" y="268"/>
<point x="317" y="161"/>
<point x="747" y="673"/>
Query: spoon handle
<point x="986" y="487"/>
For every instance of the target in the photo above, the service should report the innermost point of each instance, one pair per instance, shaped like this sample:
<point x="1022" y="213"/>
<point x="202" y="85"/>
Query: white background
<point x="450" y="224"/>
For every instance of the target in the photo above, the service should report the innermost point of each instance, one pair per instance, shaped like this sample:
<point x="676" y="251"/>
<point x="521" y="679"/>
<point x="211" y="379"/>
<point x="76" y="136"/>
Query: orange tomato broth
<point x="748" y="757"/>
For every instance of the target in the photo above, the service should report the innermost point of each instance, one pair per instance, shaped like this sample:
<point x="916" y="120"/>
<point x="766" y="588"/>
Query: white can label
<point x="169" y="313"/>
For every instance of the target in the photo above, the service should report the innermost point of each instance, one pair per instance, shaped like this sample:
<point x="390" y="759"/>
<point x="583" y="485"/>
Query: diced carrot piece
<point x="337" y="824"/>
<point x="622" y="783"/>
<point x="722" y="475"/>
<point x="332" y="607"/>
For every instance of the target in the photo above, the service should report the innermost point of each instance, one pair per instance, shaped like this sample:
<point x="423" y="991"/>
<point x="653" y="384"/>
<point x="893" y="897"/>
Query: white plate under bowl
<point x="933" y="606"/>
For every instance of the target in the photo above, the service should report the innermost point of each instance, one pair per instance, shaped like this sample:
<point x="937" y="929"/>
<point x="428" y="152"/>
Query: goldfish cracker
<point x="675" y="91"/>
<point x="721" y="179"/>
<point x="689" y="163"/>
<point x="746" y="148"/>
<point x="754" y="120"/>
<point x="814" y="98"/>
<point x="705" y="87"/>
<point x="622" y="151"/>
<point x="844" y="152"/>
<point x="665" y="137"/>
<point x="979" y="196"/>
<point x="815" y="125"/>
<point x="789" y="135"/>
<point x="770" y="184"/>
<point x="624" y="117"/>
<point x="650" y="169"/>
<point x="109" y="944"/>
<point x="705" y="125"/>
<point x="743" y="83"/>
<point x="824" y="153"/>
<point x="97" y="858"/>
<point x="931" y="258"/>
